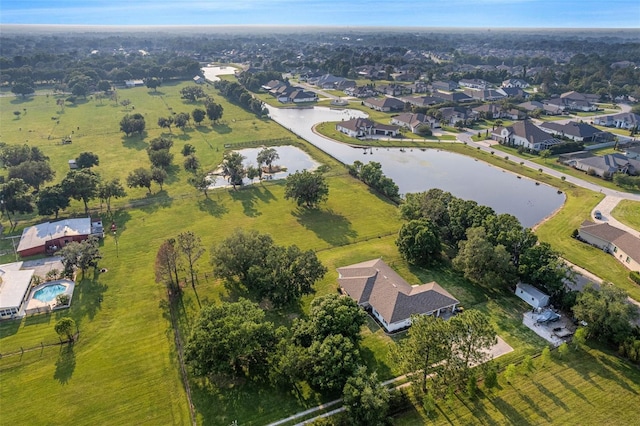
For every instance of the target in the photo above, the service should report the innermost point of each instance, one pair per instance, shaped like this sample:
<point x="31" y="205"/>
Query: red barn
<point x="51" y="236"/>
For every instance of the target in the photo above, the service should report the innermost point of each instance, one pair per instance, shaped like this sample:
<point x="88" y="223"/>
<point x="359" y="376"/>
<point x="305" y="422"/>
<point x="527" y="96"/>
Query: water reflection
<point x="416" y="170"/>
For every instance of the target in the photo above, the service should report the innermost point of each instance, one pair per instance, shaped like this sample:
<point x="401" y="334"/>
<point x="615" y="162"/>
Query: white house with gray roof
<point x="14" y="286"/>
<point x="526" y="134"/>
<point x="621" y="244"/>
<point x="392" y="301"/>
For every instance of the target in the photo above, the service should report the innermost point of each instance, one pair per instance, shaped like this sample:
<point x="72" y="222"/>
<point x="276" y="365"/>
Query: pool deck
<point x="36" y="306"/>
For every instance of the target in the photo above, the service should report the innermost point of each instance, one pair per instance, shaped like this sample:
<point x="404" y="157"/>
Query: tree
<point x="200" y="181"/>
<point x="285" y="274"/>
<point x="234" y="256"/>
<point x="81" y="185"/>
<point x="335" y="314"/>
<point x="167" y="265"/>
<point x="33" y="173"/>
<point x="427" y="344"/>
<point x="104" y="86"/>
<point x="214" y="110"/>
<point x="181" y="120"/>
<point x="191" y="163"/>
<point x="153" y="83"/>
<point x="333" y="361"/>
<point x="86" y="160"/>
<point x="51" y="200"/>
<point x="13" y="155"/>
<point x="545" y="153"/>
<point x="606" y="312"/>
<point x="510" y="373"/>
<point x="543" y="267"/>
<point x="190" y="246"/>
<point x="198" y="115"/>
<point x="160" y="159"/>
<point x="160" y="144"/>
<point x="23" y="89"/>
<point x="188" y="150"/>
<point x="473" y="336"/>
<point x="65" y="327"/>
<point x="230" y="339"/>
<point x="366" y="400"/>
<point x="306" y="188"/>
<point x="418" y="242"/>
<point x="267" y="156"/>
<point x="111" y="189"/>
<point x="140" y="178"/>
<point x="233" y="168"/>
<point x="253" y="172"/>
<point x="80" y="89"/>
<point x="483" y="263"/>
<point x="131" y="124"/>
<point x="15" y="198"/>
<point x="84" y="255"/>
<point x="158" y="175"/>
<point x="165" y="122"/>
<point x="192" y="93"/>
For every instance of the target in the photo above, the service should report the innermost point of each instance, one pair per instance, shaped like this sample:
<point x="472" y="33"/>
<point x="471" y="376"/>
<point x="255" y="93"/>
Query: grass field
<point x="124" y="368"/>
<point x="579" y="389"/>
<point x="628" y="212"/>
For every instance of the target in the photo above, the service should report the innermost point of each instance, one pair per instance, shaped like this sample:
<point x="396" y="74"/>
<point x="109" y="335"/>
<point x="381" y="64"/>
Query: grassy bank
<point x="574" y="390"/>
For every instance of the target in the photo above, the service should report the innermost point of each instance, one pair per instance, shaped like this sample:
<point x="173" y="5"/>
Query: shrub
<point x="634" y="276"/>
<point x="63" y="299"/>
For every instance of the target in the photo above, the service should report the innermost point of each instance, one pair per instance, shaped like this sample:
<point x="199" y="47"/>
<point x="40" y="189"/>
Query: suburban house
<point x="625" y="120"/>
<point x="486" y="95"/>
<point x="452" y="97"/>
<point x="453" y="115"/>
<point x="299" y="95"/>
<point x="273" y="84"/>
<point x="134" y="83"/>
<point x="198" y="79"/>
<point x="393" y="89"/>
<point x="418" y="87"/>
<point x="489" y="111"/>
<point x="362" y="127"/>
<point x="474" y="83"/>
<point x="391" y="300"/>
<point x="606" y="165"/>
<point x="413" y="121"/>
<point x="515" y="83"/>
<point x="421" y="101"/>
<point x="326" y="81"/>
<point x="14" y="286"/>
<point x="621" y="244"/>
<point x="48" y="237"/>
<point x="580" y="132"/>
<point x="513" y="92"/>
<point x="632" y="152"/>
<point x="526" y="134"/>
<point x="574" y="101"/>
<point x="532" y="295"/>
<point x="384" y="104"/>
<point x="360" y="91"/>
<point x="446" y="86"/>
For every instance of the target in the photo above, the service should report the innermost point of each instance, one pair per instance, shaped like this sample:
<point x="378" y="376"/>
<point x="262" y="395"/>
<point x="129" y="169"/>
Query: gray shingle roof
<point x="375" y="283"/>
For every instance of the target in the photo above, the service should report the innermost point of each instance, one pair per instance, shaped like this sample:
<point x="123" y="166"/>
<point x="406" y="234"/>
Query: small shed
<point x="73" y="165"/>
<point x="532" y="295"/>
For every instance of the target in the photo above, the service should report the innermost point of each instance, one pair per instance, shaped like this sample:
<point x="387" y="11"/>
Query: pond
<point x="291" y="159"/>
<point x="416" y="170"/>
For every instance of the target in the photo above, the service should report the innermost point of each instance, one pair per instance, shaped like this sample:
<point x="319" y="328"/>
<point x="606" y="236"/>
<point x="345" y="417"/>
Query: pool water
<point x="48" y="293"/>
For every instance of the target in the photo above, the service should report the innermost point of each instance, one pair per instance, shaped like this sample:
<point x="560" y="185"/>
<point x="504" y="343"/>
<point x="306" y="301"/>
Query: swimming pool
<point x="48" y="293"/>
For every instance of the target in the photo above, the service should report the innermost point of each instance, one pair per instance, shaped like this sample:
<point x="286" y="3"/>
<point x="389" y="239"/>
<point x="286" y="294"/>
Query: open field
<point x="574" y="390"/>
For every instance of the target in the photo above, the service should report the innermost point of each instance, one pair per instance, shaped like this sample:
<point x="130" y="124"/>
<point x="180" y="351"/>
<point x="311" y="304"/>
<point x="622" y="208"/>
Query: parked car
<point x="597" y="214"/>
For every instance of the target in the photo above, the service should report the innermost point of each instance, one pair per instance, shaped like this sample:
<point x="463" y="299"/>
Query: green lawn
<point x="577" y="390"/>
<point x="628" y="212"/>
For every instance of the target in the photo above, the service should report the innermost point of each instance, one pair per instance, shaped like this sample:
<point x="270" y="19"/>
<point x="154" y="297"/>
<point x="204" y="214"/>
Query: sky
<point x="350" y="13"/>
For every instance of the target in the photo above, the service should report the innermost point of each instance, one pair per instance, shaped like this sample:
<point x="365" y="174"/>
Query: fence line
<point x="42" y="345"/>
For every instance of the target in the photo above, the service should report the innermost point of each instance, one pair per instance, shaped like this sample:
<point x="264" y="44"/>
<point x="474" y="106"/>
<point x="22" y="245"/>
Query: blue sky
<point x="393" y="13"/>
